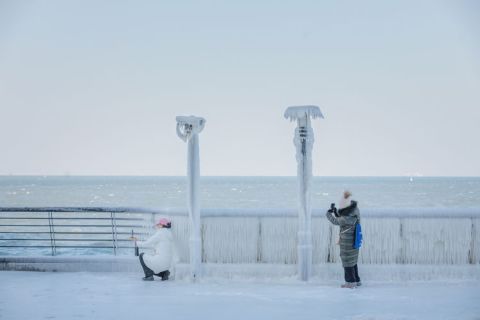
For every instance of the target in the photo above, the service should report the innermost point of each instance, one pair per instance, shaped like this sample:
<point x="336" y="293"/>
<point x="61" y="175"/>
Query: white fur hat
<point x="345" y="200"/>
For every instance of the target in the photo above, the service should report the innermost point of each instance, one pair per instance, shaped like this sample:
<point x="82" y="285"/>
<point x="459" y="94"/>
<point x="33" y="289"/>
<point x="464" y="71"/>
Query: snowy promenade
<point x="85" y="295"/>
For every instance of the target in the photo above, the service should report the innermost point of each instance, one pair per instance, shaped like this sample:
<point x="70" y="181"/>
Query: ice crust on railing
<point x="420" y="212"/>
<point x="387" y="240"/>
<point x="269" y="212"/>
<point x="297" y="112"/>
<point x="293" y="212"/>
<point x="271" y="238"/>
<point x="403" y="236"/>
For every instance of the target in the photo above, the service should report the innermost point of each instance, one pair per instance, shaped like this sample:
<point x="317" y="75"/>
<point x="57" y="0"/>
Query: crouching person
<point x="164" y="254"/>
<point x="347" y="216"/>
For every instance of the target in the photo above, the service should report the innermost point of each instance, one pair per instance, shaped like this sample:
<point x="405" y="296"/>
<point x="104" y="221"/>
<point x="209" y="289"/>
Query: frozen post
<point x="303" y="141"/>
<point x="188" y="129"/>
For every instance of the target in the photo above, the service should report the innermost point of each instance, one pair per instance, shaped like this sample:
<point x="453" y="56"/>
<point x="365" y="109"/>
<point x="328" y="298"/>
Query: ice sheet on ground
<point x="31" y="295"/>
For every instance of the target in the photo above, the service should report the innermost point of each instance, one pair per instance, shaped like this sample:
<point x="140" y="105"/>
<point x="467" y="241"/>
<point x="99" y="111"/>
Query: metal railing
<point x="56" y="228"/>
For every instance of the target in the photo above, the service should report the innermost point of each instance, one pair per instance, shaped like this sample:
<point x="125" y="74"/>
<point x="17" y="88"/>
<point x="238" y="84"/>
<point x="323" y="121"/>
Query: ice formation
<point x="188" y="126"/>
<point x="188" y="129"/>
<point x="303" y="141"/>
<point x="299" y="112"/>
<point x="410" y="236"/>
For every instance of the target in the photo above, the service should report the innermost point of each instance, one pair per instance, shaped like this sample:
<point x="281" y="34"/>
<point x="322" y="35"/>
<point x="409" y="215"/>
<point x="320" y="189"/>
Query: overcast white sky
<point x="93" y="87"/>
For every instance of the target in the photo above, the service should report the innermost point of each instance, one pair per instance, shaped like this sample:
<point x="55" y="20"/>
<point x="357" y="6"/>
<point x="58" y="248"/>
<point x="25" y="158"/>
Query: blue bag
<point x="357" y="236"/>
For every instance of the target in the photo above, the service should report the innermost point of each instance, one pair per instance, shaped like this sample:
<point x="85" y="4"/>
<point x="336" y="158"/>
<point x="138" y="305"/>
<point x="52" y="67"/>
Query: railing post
<point x="52" y="233"/>
<point x="114" y="232"/>
<point x="472" y="259"/>
<point x="402" y="258"/>
<point x="330" y="236"/>
<point x="259" y="241"/>
<point x="203" y="258"/>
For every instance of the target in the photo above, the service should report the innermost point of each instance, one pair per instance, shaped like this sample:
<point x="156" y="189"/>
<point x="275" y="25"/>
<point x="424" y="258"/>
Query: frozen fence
<point x="402" y="236"/>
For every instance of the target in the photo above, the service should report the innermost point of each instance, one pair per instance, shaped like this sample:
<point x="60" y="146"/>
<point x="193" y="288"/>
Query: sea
<point x="215" y="192"/>
<point x="236" y="192"/>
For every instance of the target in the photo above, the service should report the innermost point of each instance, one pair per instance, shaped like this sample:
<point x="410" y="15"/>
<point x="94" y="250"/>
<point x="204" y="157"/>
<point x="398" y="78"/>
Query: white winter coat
<point x="164" y="254"/>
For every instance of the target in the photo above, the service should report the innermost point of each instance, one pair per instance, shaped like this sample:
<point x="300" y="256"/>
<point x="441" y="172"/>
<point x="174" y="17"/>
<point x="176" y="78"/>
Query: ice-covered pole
<point x="303" y="141"/>
<point x="188" y="129"/>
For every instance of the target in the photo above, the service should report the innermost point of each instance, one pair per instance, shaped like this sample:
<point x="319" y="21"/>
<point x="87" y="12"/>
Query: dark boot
<point x="165" y="275"/>
<point x="150" y="278"/>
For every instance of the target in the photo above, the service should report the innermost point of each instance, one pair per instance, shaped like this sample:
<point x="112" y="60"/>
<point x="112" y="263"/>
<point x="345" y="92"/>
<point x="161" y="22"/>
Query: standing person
<point x="164" y="255"/>
<point x="347" y="217"/>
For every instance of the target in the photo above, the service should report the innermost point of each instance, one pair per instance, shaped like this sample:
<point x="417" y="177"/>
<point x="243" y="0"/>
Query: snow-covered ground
<point x="85" y="295"/>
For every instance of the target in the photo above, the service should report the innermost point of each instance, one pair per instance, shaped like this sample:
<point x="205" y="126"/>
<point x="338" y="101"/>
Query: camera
<point x="333" y="209"/>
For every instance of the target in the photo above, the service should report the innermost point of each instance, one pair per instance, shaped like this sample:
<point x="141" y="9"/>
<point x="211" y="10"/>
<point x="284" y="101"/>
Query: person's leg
<point x="349" y="277"/>
<point x="349" y="274"/>
<point x="148" y="272"/>
<point x="357" y="277"/>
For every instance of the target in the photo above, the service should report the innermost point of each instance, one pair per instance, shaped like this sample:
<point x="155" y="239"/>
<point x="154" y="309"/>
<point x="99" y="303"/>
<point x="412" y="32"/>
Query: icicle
<point x="231" y="240"/>
<point x="436" y="241"/>
<point x="279" y="240"/>
<point x="181" y="232"/>
<point x="384" y="241"/>
<point x="321" y="239"/>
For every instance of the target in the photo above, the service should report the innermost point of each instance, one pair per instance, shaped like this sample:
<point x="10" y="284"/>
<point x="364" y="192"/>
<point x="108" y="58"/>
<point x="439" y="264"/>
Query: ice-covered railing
<point x="433" y="213"/>
<point x="453" y="213"/>
<point x="405" y="236"/>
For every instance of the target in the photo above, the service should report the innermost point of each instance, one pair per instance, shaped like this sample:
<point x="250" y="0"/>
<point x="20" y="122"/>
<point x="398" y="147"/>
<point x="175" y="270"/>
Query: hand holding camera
<point x="333" y="209"/>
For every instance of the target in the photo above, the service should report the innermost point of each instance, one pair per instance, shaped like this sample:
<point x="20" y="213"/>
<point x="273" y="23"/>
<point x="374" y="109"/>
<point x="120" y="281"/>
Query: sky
<point x="93" y="87"/>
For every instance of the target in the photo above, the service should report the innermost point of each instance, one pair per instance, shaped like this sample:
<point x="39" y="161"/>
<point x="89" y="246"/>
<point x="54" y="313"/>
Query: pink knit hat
<point x="164" y="222"/>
